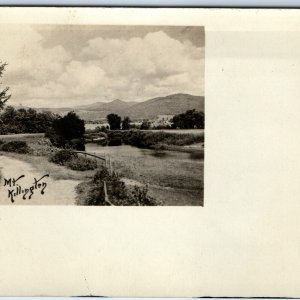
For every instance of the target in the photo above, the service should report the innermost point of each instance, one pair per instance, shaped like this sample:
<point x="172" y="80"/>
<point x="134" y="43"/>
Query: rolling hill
<point x="169" y="105"/>
<point x="115" y="105"/>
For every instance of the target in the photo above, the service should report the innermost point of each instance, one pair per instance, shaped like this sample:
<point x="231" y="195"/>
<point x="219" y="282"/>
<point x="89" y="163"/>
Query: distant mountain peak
<point x="181" y="94"/>
<point x="117" y="101"/>
<point x="166" y="105"/>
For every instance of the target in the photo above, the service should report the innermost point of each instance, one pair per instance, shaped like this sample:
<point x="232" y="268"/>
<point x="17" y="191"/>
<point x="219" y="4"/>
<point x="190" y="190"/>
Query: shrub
<point x="16" y="146"/>
<point x="73" y="161"/>
<point x="118" y="193"/>
<point x="152" y="140"/>
<point x="61" y="157"/>
<point x="80" y="163"/>
<point x="139" y="196"/>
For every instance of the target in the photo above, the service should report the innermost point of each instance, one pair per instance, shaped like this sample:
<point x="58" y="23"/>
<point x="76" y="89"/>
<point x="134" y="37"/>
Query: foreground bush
<point x="93" y="193"/>
<point x="73" y="161"/>
<point x="80" y="163"/>
<point x="16" y="146"/>
<point x="61" y="157"/>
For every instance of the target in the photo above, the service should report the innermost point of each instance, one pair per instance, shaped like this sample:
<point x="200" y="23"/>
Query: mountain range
<point x="168" y="105"/>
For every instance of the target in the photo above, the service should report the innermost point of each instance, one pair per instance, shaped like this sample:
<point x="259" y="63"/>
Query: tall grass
<point x="93" y="192"/>
<point x="154" y="140"/>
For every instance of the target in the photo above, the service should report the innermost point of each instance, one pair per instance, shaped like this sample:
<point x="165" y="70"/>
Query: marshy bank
<point x="190" y="141"/>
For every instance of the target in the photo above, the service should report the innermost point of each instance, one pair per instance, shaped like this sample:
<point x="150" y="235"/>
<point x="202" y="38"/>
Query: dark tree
<point x="145" y="125"/>
<point x="200" y="120"/>
<point x="189" y="120"/>
<point x="114" y="121"/>
<point x="9" y="114"/>
<point x="69" y="132"/>
<point x="3" y="92"/>
<point x="126" y="123"/>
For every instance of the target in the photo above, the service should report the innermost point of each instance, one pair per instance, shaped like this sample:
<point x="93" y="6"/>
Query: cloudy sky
<point x="53" y="66"/>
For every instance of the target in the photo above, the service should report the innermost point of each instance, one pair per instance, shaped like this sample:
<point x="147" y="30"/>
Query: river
<point x="176" y="178"/>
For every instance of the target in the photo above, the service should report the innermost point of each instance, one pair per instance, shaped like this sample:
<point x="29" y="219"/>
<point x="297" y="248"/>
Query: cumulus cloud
<point x="137" y="69"/>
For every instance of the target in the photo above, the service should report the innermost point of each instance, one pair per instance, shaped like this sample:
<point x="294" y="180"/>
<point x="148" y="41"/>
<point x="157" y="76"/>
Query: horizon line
<point x="96" y="102"/>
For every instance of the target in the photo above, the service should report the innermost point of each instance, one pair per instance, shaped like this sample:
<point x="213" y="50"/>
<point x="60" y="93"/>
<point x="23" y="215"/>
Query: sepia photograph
<point x="102" y="115"/>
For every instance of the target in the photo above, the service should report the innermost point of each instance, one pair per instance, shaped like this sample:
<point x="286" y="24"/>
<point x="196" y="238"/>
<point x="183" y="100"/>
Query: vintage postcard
<point x="102" y="115"/>
<point x="105" y="112"/>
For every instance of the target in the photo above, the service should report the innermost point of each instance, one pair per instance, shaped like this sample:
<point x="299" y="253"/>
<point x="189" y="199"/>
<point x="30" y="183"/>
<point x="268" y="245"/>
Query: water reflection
<point x="159" y="154"/>
<point x="130" y="151"/>
<point x="197" y="155"/>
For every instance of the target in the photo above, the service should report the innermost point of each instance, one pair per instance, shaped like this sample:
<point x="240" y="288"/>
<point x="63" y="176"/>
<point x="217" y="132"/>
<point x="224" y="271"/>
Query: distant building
<point x="162" y="120"/>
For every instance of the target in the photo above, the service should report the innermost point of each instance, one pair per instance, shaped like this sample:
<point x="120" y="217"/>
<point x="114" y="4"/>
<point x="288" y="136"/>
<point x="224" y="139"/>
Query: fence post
<point x="105" y="191"/>
<point x="105" y="194"/>
<point x="110" y="167"/>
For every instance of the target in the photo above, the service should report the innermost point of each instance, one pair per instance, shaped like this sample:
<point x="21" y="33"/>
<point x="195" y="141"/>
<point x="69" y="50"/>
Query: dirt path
<point x="56" y="192"/>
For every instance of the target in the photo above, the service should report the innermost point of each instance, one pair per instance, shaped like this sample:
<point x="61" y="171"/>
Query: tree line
<point x="25" y="121"/>
<point x="191" y="119"/>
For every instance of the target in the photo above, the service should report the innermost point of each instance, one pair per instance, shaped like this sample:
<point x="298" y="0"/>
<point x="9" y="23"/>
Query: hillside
<point x="115" y="105"/>
<point x="169" y="105"/>
<point x="94" y="111"/>
<point x="100" y="110"/>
